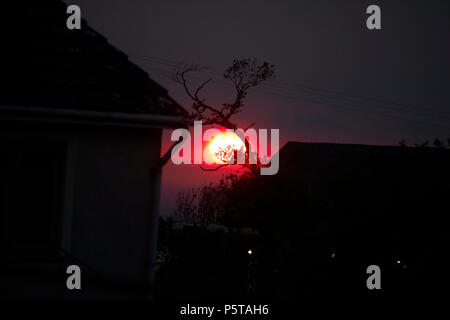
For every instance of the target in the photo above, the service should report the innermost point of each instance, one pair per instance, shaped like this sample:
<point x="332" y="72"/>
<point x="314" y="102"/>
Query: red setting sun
<point x="222" y="147"/>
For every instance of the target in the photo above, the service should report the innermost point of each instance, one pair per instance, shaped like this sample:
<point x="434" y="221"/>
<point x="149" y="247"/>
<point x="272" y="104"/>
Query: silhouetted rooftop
<point x="54" y="67"/>
<point x="345" y="184"/>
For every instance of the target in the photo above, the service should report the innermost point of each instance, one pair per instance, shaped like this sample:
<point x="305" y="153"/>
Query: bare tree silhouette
<point x="207" y="204"/>
<point x="243" y="74"/>
<point x="438" y="143"/>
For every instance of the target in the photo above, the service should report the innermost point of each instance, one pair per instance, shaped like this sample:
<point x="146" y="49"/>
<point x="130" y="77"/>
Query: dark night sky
<point x="316" y="43"/>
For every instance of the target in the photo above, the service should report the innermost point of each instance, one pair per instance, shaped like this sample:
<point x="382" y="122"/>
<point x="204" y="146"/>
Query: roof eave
<point x="119" y="119"/>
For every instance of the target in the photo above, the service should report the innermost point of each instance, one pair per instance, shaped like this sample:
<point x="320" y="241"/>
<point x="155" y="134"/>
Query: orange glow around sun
<point x="223" y="145"/>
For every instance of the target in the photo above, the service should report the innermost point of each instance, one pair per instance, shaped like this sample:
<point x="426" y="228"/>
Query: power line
<point x="317" y="102"/>
<point x="329" y="94"/>
<point x="361" y="98"/>
<point x="321" y="103"/>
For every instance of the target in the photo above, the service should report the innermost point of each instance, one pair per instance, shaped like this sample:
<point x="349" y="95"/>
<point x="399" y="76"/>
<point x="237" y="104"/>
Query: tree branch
<point x="244" y="74"/>
<point x="216" y="168"/>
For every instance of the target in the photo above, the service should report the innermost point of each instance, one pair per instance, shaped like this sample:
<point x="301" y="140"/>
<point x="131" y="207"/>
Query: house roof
<point x="54" y="67"/>
<point x="347" y="184"/>
<point x="301" y="159"/>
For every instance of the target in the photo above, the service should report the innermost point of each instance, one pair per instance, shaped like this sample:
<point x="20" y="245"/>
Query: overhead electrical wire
<point x="322" y="93"/>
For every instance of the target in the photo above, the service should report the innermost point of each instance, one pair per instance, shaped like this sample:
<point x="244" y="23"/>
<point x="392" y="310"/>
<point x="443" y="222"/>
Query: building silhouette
<point x="80" y="141"/>
<point x="338" y="208"/>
